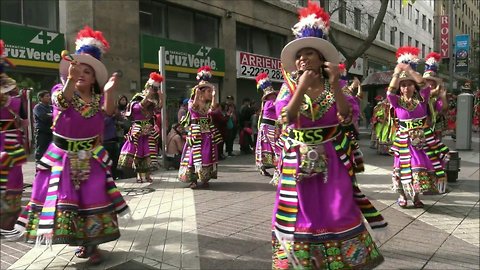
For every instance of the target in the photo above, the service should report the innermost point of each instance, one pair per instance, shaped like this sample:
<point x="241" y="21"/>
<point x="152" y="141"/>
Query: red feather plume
<point x="204" y="68"/>
<point x="2" y="47"/>
<point x="156" y="77"/>
<point x="314" y="8"/>
<point x="261" y="76"/>
<point x="407" y="49"/>
<point x="435" y="56"/>
<point x="88" y="32"/>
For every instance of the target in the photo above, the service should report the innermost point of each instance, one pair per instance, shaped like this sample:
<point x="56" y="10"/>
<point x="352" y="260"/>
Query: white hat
<point x="90" y="45"/>
<point x="310" y="32"/>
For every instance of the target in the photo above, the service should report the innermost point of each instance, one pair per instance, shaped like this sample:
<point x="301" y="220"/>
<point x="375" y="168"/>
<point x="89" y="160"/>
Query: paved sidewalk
<point x="228" y="225"/>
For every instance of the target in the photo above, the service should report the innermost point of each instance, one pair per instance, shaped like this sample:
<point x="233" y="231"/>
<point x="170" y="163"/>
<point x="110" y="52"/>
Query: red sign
<point x="444" y="37"/>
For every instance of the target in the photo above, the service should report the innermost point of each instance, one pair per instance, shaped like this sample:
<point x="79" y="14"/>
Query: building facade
<point x="465" y="22"/>
<point x="238" y="39"/>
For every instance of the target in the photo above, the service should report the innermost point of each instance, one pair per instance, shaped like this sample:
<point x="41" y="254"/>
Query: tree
<point x="367" y="42"/>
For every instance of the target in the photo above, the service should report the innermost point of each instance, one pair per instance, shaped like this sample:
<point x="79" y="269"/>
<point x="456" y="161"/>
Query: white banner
<point x="357" y="66"/>
<point x="249" y="65"/>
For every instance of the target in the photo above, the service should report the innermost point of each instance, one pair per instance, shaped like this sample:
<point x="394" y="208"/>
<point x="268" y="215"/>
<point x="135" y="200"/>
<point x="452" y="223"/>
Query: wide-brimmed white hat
<point x="90" y="46"/>
<point x="431" y="67"/>
<point x="7" y="84"/>
<point x="310" y="32"/>
<point x="264" y="85"/>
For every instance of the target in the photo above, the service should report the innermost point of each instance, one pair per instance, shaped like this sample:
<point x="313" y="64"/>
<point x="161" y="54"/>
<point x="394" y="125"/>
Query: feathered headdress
<point x="204" y="73"/>
<point x="155" y="80"/>
<point x="408" y="55"/>
<point x="310" y="32"/>
<point x="343" y="75"/>
<point x="431" y="66"/>
<point x="264" y="84"/>
<point x="91" y="42"/>
<point x="4" y="61"/>
<point x="7" y="84"/>
<point x="90" y="45"/>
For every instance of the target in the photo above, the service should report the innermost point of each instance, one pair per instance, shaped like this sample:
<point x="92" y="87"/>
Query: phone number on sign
<point x="249" y="71"/>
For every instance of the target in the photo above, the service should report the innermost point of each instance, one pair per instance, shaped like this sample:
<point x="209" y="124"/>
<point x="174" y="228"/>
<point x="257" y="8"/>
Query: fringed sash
<point x="13" y="155"/>
<point x="286" y="216"/>
<point x="434" y="149"/>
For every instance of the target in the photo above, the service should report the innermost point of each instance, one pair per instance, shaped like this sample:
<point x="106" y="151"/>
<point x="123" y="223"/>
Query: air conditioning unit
<point x="393" y="28"/>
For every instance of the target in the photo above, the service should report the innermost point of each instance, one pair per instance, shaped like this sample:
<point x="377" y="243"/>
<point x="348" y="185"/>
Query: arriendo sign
<point x="444" y="36"/>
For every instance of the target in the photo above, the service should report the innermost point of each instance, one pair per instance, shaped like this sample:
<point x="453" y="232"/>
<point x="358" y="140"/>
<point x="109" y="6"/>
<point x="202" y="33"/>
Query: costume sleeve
<point x="439" y="105"/>
<point x="425" y="93"/>
<point x="354" y="105"/>
<point x="393" y="99"/>
<point x="58" y="100"/>
<point x="281" y="102"/>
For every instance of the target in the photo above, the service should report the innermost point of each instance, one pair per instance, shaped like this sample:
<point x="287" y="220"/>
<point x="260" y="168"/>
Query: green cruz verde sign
<point x="26" y="46"/>
<point x="181" y="56"/>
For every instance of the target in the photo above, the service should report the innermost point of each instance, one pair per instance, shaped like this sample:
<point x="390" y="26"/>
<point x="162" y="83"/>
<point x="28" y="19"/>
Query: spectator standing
<point x="219" y="120"/>
<point x="42" y="119"/>
<point x="231" y="124"/>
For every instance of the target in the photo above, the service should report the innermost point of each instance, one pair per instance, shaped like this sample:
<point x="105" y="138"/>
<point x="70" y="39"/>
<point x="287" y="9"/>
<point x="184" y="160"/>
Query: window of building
<point x="409" y="42"/>
<point x="371" y="20"/>
<point x="342" y="12"/>
<point x="409" y="11"/>
<point x="357" y="19"/>
<point x="327" y="5"/>
<point x="417" y="16"/>
<point x="400" y="7"/>
<point x="178" y="23"/>
<point x="152" y="19"/>
<point x="401" y="39"/>
<point x="417" y="43"/>
<point x="423" y="50"/>
<point x="430" y="26"/>
<point x="392" y="37"/>
<point x="382" y="32"/>
<point x="424" y="22"/>
<point x="259" y="41"/>
<point x="36" y="13"/>
<point x="203" y="33"/>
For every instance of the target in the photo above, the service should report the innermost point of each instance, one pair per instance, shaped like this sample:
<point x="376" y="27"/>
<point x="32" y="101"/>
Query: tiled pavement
<point x="228" y="226"/>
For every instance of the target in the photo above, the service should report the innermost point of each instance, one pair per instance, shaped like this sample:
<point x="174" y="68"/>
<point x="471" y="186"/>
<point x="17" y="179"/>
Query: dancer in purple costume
<point x="12" y="153"/>
<point x="136" y="152"/>
<point x="74" y="198"/>
<point x="317" y="219"/>
<point x="265" y="155"/>
<point x="200" y="153"/>
<point x="419" y="157"/>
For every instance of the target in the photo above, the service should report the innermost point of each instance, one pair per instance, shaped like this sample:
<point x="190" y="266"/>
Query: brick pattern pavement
<point x="228" y="225"/>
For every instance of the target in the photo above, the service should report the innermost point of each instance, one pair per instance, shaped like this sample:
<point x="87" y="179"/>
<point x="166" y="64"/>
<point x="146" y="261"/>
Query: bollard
<point x="453" y="167"/>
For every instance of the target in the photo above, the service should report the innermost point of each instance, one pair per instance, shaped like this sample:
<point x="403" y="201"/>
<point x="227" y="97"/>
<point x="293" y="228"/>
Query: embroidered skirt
<point x="63" y="211"/>
<point x="265" y="147"/>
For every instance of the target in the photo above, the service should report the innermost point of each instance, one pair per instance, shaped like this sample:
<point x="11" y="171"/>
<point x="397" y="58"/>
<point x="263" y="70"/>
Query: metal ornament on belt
<point x="79" y="166"/>
<point x="312" y="161"/>
<point x="417" y="138"/>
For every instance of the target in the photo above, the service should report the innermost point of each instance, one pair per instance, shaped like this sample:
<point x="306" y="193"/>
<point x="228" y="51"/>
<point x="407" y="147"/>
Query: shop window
<point x="36" y="13"/>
